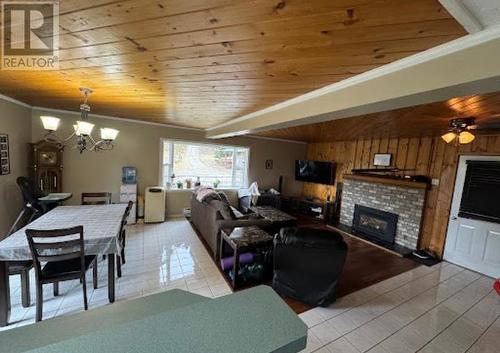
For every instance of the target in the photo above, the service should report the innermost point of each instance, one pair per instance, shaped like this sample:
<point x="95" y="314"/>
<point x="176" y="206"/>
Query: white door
<point x="471" y="243"/>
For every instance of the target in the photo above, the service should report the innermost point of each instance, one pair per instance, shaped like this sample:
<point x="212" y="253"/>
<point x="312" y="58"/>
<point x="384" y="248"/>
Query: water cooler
<point x="128" y="191"/>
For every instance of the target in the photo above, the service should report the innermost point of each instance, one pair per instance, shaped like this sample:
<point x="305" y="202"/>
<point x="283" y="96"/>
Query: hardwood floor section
<point x="365" y="265"/>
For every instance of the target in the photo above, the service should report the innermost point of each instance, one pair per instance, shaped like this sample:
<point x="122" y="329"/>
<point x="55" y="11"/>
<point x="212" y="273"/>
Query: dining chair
<point x="120" y="259"/>
<point x="62" y="251"/>
<point x="96" y="198"/>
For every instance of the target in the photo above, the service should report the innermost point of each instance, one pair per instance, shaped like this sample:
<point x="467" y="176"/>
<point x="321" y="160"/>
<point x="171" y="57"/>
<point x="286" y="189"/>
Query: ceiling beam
<point x="463" y="15"/>
<point x="466" y="66"/>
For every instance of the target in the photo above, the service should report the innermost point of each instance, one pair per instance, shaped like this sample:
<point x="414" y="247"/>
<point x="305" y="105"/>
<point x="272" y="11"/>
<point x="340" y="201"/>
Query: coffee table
<point x="241" y="240"/>
<point x="279" y="219"/>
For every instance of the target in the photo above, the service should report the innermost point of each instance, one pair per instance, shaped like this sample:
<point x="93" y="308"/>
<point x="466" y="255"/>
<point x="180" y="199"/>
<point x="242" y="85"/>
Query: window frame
<point x="163" y="140"/>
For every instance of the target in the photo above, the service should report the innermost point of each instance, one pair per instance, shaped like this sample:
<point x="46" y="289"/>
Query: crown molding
<point x="15" y="101"/>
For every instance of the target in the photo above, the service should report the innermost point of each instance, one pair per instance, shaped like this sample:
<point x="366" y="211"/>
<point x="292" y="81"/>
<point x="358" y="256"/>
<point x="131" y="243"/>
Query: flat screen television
<point x="315" y="172"/>
<point x="481" y="192"/>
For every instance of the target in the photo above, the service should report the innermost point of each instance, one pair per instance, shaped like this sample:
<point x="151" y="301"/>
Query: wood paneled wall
<point x="428" y="156"/>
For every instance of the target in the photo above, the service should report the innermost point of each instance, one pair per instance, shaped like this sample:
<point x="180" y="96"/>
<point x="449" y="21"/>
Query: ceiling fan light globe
<point x="50" y="123"/>
<point x="465" y="137"/>
<point x="109" y="134"/>
<point x="84" y="128"/>
<point x="449" y="137"/>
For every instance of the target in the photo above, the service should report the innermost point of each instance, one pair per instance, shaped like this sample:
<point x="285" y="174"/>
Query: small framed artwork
<point x="4" y="155"/>
<point x="269" y="164"/>
<point x="382" y="159"/>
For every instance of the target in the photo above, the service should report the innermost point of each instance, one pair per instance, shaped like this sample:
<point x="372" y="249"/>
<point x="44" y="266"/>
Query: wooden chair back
<point x="124" y="222"/>
<point x="56" y="245"/>
<point x="96" y="198"/>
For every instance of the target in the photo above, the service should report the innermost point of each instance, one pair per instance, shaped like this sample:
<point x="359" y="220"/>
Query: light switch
<point x="435" y="182"/>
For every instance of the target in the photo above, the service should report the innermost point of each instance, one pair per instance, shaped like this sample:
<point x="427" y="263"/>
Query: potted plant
<point x="179" y="184"/>
<point x="216" y="183"/>
<point x="188" y="183"/>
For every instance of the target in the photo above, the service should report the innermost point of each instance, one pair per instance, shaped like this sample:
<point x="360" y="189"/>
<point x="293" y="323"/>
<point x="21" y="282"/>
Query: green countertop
<point x="252" y="321"/>
<point x="61" y="328"/>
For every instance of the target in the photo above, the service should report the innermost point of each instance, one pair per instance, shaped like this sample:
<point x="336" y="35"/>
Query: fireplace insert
<point x="374" y="223"/>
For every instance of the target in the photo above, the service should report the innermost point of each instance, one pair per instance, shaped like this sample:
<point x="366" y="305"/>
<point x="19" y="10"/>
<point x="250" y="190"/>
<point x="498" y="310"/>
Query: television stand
<point x="313" y="208"/>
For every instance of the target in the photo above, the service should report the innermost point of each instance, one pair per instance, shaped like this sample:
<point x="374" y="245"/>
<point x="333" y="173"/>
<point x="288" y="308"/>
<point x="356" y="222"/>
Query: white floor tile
<point x="159" y="257"/>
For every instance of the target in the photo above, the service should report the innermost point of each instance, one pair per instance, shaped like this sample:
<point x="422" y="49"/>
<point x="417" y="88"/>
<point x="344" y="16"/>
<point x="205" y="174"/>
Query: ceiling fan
<point x="461" y="129"/>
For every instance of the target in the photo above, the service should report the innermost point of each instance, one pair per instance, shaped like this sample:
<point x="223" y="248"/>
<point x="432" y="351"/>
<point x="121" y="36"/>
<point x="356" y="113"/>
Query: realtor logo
<point x="30" y="32"/>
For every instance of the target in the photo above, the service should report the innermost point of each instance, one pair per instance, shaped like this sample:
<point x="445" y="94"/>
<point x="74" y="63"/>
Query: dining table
<point x="101" y="228"/>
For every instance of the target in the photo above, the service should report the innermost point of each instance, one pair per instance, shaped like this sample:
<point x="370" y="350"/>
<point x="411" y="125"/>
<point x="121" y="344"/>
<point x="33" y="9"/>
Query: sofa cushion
<point x="223" y="208"/>
<point x="205" y="194"/>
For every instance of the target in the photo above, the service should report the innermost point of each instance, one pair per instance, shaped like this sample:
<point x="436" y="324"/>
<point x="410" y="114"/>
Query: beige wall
<point x="15" y="120"/>
<point x="139" y="145"/>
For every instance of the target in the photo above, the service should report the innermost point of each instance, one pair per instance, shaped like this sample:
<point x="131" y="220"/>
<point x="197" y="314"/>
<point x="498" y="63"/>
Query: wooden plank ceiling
<point x="424" y="120"/>
<point x="199" y="63"/>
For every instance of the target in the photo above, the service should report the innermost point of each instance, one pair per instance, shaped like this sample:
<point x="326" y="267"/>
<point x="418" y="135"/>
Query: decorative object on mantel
<point x="82" y="130"/>
<point x="382" y="159"/>
<point x="4" y="154"/>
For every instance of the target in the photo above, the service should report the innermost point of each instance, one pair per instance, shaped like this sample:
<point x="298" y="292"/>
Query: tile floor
<point x="440" y="309"/>
<point x="159" y="257"/>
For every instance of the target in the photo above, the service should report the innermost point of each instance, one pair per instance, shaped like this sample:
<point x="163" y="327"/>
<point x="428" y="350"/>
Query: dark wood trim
<point x="111" y="278"/>
<point x="343" y="232"/>
<point x="4" y="294"/>
<point x="385" y="180"/>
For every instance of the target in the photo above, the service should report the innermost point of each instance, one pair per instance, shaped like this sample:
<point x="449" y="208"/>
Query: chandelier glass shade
<point x="82" y="130"/>
<point x="50" y="123"/>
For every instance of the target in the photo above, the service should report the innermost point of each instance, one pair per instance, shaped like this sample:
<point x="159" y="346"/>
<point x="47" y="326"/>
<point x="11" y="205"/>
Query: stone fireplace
<point x="391" y="213"/>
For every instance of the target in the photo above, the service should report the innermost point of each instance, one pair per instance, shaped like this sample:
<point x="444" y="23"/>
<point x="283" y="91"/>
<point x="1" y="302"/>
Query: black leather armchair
<point x="307" y="264"/>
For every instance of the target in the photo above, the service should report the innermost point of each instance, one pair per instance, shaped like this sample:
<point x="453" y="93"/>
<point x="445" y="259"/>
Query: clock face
<point x="48" y="158"/>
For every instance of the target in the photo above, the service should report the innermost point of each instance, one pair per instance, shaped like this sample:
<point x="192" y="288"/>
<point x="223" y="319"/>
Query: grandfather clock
<point x="46" y="166"/>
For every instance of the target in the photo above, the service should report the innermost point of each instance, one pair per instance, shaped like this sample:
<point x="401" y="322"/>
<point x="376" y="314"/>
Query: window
<point x="216" y="165"/>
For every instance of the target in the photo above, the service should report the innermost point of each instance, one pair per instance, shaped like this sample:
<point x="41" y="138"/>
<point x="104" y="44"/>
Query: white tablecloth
<point x="101" y="225"/>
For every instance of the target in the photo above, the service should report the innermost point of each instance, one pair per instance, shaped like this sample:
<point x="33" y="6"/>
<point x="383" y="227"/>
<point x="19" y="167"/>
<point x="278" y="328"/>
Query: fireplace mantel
<point x="387" y="180"/>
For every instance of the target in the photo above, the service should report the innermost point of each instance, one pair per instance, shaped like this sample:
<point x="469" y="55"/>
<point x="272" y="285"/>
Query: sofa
<point x="265" y="199"/>
<point x="212" y="215"/>
<point x="308" y="263"/>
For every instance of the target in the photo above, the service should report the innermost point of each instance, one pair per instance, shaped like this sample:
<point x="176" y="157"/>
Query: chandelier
<point x="82" y="130"/>
<point x="459" y="131"/>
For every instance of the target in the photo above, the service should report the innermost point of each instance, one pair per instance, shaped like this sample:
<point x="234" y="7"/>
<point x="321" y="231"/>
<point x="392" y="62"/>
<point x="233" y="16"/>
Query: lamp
<point x="50" y="123"/>
<point x="458" y="131"/>
<point x="82" y="130"/>
<point x="108" y="134"/>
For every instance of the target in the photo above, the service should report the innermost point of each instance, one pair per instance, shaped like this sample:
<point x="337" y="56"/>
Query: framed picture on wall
<point x="4" y="154"/>
<point x="269" y="164"/>
<point x="382" y="159"/>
